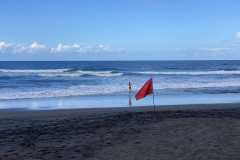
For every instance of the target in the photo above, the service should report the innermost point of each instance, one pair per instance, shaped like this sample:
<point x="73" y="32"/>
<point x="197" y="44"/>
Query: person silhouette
<point x="130" y="99"/>
<point x="130" y="86"/>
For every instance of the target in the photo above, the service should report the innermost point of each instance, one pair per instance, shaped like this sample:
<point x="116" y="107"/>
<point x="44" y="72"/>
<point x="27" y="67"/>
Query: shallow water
<point x="115" y="101"/>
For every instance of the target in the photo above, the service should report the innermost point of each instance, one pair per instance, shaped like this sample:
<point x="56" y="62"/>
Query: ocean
<point x="89" y="84"/>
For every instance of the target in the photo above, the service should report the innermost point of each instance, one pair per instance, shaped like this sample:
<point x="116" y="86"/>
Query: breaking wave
<point x="222" y="72"/>
<point x="34" y="70"/>
<point x="106" y="89"/>
<point x="83" y="73"/>
<point x="68" y="72"/>
<point x="80" y="90"/>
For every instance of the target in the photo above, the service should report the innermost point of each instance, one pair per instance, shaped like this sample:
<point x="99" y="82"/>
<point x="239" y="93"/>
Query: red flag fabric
<point x="146" y="89"/>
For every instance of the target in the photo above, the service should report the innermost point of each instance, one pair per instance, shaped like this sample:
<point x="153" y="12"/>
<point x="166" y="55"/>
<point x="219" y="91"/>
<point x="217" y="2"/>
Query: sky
<point x="119" y="30"/>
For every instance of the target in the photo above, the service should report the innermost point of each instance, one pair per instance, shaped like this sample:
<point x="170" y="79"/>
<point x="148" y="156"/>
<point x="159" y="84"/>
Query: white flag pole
<point x="153" y="98"/>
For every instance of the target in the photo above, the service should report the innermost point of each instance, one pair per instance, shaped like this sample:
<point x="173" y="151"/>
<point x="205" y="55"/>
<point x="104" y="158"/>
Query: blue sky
<point x="119" y="30"/>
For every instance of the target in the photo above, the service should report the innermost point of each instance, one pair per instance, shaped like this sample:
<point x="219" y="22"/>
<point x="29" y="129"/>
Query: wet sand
<point x="172" y="132"/>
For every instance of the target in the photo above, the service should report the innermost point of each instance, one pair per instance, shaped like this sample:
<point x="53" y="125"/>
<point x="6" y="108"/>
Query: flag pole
<point x="153" y="98"/>
<point x="153" y="103"/>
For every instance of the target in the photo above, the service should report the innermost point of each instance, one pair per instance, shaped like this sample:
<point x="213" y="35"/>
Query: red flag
<point x="146" y="89"/>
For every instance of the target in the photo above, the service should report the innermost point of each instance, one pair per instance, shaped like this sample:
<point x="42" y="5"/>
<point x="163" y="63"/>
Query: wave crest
<point x="68" y="72"/>
<point x="34" y="70"/>
<point x="222" y="72"/>
<point x="85" y="90"/>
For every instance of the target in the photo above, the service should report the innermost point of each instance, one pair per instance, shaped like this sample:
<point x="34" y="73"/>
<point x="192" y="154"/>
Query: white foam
<point x="84" y="90"/>
<point x="222" y="72"/>
<point x="82" y="73"/>
<point x="196" y="85"/>
<point x="80" y="90"/>
<point x="100" y="74"/>
<point x="33" y="70"/>
<point x="61" y="73"/>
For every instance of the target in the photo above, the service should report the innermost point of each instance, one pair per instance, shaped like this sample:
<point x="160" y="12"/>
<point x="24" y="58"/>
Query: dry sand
<point x="172" y="132"/>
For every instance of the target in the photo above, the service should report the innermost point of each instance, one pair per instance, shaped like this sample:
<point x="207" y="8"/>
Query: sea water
<point x="93" y="84"/>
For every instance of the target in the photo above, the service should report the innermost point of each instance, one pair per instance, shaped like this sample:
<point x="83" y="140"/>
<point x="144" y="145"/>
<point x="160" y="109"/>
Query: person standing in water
<point x="130" y="87"/>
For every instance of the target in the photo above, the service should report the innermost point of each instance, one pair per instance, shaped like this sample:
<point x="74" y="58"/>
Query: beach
<point x="119" y="80"/>
<point x="208" y="131"/>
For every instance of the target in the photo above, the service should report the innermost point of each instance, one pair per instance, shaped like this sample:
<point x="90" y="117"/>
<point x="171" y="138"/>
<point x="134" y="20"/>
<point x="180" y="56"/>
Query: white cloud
<point x="75" y="48"/>
<point x="67" y="48"/>
<point x="4" y="47"/>
<point x="237" y="36"/>
<point x="227" y="48"/>
<point x="233" y="49"/>
<point x="18" y="48"/>
<point x="37" y="46"/>
<point x="214" y="49"/>
<point x="33" y="48"/>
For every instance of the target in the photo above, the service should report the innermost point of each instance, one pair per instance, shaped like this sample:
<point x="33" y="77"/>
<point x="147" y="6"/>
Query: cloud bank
<point x="228" y="48"/>
<point x="60" y="48"/>
<point x="237" y="37"/>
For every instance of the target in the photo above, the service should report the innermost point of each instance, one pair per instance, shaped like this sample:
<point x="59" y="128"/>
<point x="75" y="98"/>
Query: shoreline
<point x="116" y="101"/>
<point x="24" y="113"/>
